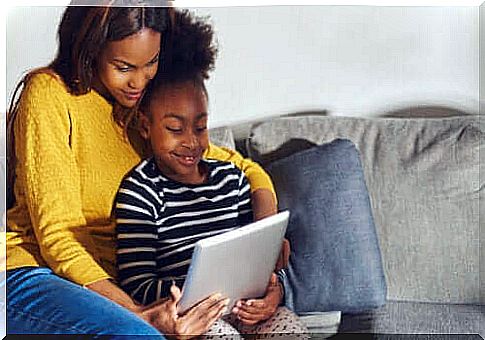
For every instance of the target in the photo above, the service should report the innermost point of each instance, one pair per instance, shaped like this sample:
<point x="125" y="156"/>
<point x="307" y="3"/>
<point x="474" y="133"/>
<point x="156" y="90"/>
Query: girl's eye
<point x="173" y="129"/>
<point x="201" y="128"/>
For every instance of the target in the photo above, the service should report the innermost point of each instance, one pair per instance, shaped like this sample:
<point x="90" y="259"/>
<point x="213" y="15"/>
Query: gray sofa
<point x="426" y="182"/>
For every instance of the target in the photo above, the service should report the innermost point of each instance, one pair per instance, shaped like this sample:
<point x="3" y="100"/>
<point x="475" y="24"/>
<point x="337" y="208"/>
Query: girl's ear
<point x="144" y="126"/>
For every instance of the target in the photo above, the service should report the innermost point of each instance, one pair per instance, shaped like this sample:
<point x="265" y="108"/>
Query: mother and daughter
<point x="113" y="176"/>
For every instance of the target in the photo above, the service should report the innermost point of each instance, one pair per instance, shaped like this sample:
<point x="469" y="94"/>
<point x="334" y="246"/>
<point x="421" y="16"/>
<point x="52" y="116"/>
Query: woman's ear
<point x="144" y="126"/>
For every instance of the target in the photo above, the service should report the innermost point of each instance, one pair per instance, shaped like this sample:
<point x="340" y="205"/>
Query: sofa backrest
<point x="222" y="136"/>
<point x="424" y="185"/>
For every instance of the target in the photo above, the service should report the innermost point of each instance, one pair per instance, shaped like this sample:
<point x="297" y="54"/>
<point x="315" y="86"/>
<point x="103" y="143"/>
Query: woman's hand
<point x="196" y="321"/>
<point x="250" y="312"/>
<point x="163" y="314"/>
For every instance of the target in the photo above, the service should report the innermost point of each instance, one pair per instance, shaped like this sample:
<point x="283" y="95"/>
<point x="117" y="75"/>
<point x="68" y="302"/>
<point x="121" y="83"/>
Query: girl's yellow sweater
<point x="71" y="157"/>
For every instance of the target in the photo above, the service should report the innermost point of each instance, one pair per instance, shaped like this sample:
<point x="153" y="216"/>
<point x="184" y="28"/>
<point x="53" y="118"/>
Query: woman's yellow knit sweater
<point x="71" y="157"/>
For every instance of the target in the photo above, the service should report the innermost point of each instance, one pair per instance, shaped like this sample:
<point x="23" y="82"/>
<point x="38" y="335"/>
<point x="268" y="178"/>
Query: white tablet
<point x="237" y="264"/>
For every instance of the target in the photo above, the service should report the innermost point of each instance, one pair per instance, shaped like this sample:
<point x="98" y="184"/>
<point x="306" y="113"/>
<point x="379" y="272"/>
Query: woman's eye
<point x="154" y="61"/>
<point x="123" y="69"/>
<point x="201" y="128"/>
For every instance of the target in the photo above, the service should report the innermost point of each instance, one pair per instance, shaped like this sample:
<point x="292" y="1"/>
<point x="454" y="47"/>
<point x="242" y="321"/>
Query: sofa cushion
<point x="398" y="317"/>
<point x="423" y="181"/>
<point x="335" y="262"/>
<point x="323" y="324"/>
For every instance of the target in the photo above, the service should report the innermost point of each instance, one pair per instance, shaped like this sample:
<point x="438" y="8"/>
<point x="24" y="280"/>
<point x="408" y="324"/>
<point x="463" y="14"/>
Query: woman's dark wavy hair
<point x="193" y="52"/>
<point x="83" y="33"/>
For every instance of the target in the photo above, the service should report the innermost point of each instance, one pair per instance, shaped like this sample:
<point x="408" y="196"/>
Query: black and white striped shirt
<point x="159" y="220"/>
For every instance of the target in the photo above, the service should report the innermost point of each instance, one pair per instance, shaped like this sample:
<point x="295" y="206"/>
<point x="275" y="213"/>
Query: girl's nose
<point x="190" y="140"/>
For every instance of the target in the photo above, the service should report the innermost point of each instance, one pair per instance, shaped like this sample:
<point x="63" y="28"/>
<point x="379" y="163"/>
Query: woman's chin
<point x="127" y="104"/>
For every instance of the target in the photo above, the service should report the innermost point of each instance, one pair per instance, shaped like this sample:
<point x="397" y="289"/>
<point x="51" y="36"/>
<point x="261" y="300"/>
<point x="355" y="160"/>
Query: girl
<point x="67" y="153"/>
<point x="177" y="197"/>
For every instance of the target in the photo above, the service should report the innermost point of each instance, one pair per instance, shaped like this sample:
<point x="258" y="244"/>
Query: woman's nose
<point x="139" y="80"/>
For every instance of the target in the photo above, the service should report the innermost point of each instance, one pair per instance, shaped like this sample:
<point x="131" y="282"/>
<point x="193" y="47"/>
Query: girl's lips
<point x="187" y="160"/>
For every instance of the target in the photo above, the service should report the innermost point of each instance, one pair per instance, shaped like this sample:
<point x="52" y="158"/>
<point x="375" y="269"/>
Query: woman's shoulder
<point x="44" y="82"/>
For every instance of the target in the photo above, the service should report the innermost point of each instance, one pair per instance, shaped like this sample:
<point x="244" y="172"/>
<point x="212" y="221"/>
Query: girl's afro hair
<point x="190" y="52"/>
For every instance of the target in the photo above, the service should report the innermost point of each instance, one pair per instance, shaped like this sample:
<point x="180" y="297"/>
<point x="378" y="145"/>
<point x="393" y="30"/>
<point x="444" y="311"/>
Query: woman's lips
<point x="132" y="95"/>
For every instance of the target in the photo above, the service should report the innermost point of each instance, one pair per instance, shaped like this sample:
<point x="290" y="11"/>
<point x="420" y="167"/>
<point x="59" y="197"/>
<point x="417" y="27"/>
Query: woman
<point x="67" y="141"/>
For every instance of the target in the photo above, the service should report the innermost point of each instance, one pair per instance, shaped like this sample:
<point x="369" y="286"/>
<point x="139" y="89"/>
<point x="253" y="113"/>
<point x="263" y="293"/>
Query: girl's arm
<point x="136" y="206"/>
<point x="262" y="190"/>
<point x="135" y="210"/>
<point x="264" y="203"/>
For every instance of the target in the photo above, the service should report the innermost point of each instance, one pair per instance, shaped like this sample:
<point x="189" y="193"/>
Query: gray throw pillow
<point x="335" y="261"/>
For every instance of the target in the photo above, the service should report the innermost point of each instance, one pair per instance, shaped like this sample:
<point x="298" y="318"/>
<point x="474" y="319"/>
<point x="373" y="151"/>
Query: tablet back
<point x="237" y="264"/>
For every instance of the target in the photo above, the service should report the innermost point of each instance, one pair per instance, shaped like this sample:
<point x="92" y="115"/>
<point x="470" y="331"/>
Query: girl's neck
<point x="200" y="177"/>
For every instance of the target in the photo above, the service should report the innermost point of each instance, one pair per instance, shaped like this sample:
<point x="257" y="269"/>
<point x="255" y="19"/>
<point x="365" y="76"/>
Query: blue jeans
<point x="40" y="302"/>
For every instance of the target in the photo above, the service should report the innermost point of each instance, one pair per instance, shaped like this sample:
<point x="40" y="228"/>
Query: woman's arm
<point x="162" y="314"/>
<point x="262" y="190"/>
<point x="50" y="176"/>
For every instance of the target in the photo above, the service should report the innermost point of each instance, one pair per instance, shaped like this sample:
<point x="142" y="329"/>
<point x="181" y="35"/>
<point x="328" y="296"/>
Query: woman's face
<point x="125" y="67"/>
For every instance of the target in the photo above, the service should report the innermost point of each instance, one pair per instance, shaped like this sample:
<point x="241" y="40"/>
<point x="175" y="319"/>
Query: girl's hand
<point x="250" y="312"/>
<point x="284" y="257"/>
<point x="196" y="321"/>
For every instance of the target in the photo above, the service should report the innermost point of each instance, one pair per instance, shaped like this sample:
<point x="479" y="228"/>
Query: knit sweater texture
<point x="71" y="158"/>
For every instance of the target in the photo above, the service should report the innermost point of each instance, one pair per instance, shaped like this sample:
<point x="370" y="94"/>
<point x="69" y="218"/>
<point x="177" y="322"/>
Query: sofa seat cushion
<point x="323" y="324"/>
<point x="399" y="317"/>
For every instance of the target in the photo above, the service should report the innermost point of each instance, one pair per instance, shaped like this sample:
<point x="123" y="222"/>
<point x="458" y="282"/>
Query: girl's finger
<point x="248" y="322"/>
<point x="257" y="315"/>
<point x="257" y="303"/>
<point x="252" y="309"/>
<point x="273" y="280"/>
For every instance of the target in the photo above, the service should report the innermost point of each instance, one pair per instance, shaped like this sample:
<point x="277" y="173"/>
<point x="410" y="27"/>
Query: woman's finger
<point x="198" y="321"/>
<point x="175" y="293"/>
<point x="209" y="301"/>
<point x="208" y="307"/>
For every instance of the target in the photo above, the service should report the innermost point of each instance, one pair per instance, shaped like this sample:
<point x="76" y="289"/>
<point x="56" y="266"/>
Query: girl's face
<point x="177" y="131"/>
<point x="125" y="67"/>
